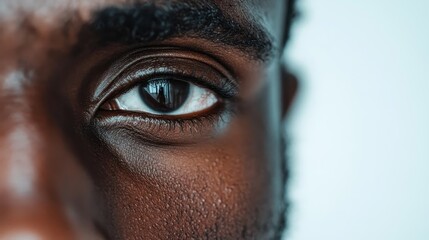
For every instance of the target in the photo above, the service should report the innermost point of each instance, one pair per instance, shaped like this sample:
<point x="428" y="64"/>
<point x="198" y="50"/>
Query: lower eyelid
<point x="161" y="131"/>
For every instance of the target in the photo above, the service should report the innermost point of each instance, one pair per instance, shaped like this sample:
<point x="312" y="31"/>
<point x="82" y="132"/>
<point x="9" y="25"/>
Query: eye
<point x="165" y="96"/>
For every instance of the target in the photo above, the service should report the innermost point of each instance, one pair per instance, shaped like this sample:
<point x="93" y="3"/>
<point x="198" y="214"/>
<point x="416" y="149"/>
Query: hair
<point x="291" y="15"/>
<point x="147" y="22"/>
<point x="282" y="227"/>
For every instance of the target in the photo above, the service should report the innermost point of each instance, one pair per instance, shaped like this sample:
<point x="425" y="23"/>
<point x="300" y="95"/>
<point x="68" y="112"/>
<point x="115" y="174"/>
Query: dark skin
<point x="80" y="160"/>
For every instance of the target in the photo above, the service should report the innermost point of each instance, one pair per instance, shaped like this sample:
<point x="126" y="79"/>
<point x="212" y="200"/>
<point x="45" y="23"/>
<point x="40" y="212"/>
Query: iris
<point x="164" y="95"/>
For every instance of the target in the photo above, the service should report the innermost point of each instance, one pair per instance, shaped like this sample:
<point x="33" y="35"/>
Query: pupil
<point x="164" y="95"/>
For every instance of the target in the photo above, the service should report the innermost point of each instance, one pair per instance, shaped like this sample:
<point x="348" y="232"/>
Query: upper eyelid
<point x="154" y="53"/>
<point x="172" y="52"/>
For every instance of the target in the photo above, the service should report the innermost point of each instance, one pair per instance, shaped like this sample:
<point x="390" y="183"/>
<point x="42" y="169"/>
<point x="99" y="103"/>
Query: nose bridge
<point x="29" y="145"/>
<point x="43" y="190"/>
<point x="22" y="164"/>
<point x="31" y="158"/>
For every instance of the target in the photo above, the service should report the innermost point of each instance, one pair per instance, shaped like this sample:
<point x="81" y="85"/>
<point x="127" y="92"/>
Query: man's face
<point x="148" y="120"/>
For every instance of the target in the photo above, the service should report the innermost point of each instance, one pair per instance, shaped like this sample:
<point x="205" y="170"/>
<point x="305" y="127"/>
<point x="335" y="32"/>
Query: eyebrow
<point x="147" y="22"/>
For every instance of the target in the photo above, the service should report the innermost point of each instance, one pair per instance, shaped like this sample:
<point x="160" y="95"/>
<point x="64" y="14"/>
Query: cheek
<point x="228" y="187"/>
<point x="216" y="188"/>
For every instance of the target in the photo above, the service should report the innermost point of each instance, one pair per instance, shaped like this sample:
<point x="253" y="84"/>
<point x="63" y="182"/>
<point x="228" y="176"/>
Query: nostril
<point x="26" y="232"/>
<point x="21" y="235"/>
<point x="36" y="220"/>
<point x="44" y="221"/>
<point x="34" y="229"/>
<point x="40" y="231"/>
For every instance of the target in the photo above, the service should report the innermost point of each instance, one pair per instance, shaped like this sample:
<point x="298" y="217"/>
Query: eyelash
<point x="201" y="75"/>
<point x="225" y="107"/>
<point x="159" y="124"/>
<point x="164" y="131"/>
<point x="226" y="89"/>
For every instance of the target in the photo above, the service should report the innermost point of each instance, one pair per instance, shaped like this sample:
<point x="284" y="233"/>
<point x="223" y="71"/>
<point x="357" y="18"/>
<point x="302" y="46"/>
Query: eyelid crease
<point x="119" y="66"/>
<point x="176" y="52"/>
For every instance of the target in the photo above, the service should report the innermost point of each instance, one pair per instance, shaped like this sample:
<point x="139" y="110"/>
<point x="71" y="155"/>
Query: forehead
<point x="268" y="13"/>
<point x="55" y="8"/>
<point x="48" y="18"/>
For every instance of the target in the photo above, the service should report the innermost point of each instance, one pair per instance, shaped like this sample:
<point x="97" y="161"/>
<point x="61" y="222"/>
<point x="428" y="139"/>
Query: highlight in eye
<point x="165" y="96"/>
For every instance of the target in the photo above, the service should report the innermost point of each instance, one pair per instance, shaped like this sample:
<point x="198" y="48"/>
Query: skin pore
<point x="82" y="156"/>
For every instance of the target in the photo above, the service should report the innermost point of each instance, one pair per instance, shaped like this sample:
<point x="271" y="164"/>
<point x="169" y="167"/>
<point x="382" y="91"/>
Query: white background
<point x="360" y="128"/>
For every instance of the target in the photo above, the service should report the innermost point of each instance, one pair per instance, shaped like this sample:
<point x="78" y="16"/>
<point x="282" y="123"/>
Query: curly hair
<point x="291" y="15"/>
